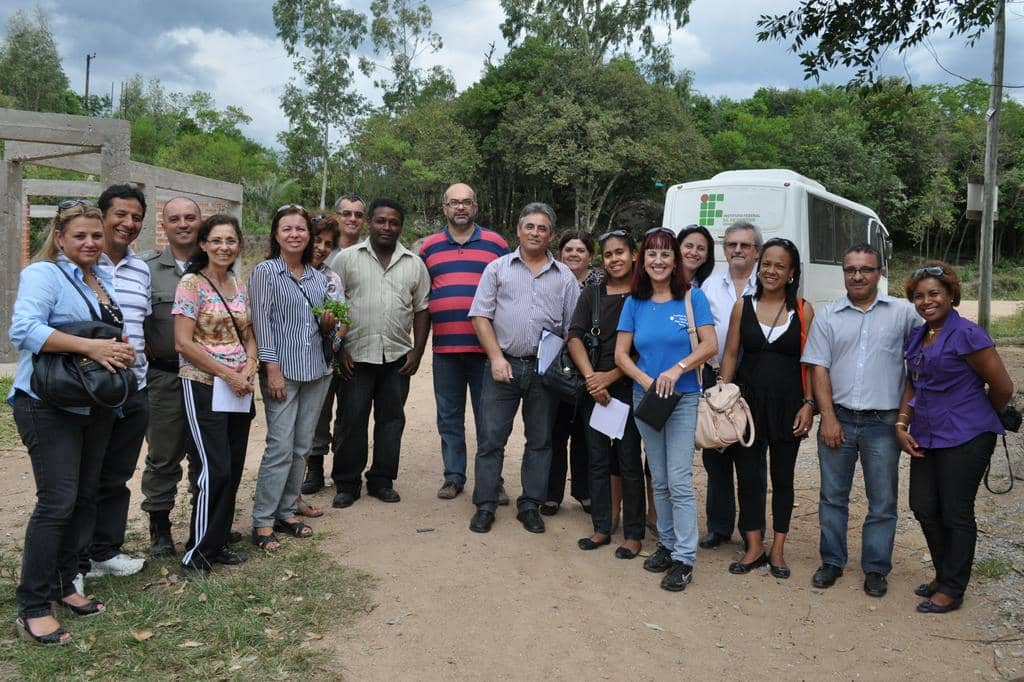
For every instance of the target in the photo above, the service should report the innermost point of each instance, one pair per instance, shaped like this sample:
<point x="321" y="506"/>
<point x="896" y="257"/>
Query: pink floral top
<point x="196" y="299"/>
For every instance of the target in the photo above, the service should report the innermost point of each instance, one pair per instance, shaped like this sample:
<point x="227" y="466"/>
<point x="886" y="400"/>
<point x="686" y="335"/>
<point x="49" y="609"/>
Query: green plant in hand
<point x="336" y="308"/>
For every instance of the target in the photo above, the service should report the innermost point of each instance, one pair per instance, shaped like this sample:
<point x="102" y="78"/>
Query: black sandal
<point x="52" y="638"/>
<point x="262" y="541"/>
<point x="92" y="608"/>
<point x="297" y="529"/>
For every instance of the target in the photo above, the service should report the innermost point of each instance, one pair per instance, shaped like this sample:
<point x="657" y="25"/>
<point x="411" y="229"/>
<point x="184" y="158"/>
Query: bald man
<point x="167" y="426"/>
<point x="455" y="258"/>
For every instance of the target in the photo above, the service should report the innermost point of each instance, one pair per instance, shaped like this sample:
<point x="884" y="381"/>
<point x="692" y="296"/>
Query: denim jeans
<point x="290" y="426"/>
<point x="670" y="455"/>
<point x="943" y="485"/>
<point x="871" y="434"/>
<point x="453" y="373"/>
<point x="502" y="401"/>
<point x="66" y="451"/>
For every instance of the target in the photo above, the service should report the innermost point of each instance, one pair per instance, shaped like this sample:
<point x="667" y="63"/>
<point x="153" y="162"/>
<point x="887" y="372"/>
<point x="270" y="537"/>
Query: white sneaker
<point x="119" y="564"/>
<point x="79" y="583"/>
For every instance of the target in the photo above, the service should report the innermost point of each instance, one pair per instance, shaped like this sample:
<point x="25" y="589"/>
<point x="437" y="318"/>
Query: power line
<point x="931" y="50"/>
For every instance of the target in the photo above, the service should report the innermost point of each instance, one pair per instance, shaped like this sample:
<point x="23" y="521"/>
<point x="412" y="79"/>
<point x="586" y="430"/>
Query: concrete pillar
<point x="11" y="226"/>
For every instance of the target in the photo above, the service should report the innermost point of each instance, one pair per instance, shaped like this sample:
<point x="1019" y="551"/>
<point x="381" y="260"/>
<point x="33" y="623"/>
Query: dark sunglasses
<point x="349" y="213"/>
<point x="931" y="271"/>
<point x="71" y="203"/>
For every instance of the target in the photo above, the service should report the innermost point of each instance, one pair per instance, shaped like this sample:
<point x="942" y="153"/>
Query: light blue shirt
<point x="722" y="297"/>
<point x="862" y="350"/>
<point x="47" y="300"/>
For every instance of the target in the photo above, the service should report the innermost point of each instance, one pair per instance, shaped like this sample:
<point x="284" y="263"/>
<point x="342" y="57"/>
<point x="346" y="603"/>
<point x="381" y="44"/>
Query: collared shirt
<point x="721" y="295"/>
<point x="382" y="301"/>
<point x="455" y="271"/>
<point x="950" y="403"/>
<point x="158" y="329"/>
<point x="47" y="300"/>
<point x="521" y="305"/>
<point x="286" y="330"/>
<point x="863" y="350"/>
<point x="131" y="281"/>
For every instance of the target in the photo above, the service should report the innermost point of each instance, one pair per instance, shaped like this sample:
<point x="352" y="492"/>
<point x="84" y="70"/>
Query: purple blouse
<point x="950" y="403"/>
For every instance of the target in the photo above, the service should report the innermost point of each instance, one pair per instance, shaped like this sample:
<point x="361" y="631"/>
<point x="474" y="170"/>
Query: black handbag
<point x="562" y="377"/>
<point x="654" y="410"/>
<point x="1011" y="421"/>
<point x="74" y="380"/>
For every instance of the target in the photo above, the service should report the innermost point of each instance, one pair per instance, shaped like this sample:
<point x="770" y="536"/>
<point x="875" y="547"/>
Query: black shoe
<point x="740" y="568"/>
<point x="343" y="499"/>
<point x="161" y="543"/>
<point x="229" y="557"/>
<point x="588" y="544"/>
<point x="531" y="520"/>
<point x="782" y="572"/>
<point x="925" y="590"/>
<point x="385" y="495"/>
<point x="195" y="572"/>
<point x="826" y="576"/>
<point x="678" y="577"/>
<point x="549" y="508"/>
<point x="234" y="537"/>
<point x="449" y="491"/>
<point x="928" y="606"/>
<point x="90" y="608"/>
<point x="314" y="482"/>
<point x="711" y="539"/>
<point x="482" y="521"/>
<point x="875" y="585"/>
<point x="660" y="561"/>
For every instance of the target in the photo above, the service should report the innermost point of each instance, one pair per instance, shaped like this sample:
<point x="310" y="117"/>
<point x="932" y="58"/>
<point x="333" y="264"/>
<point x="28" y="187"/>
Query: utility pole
<point x="991" y="162"/>
<point x="88" y="59"/>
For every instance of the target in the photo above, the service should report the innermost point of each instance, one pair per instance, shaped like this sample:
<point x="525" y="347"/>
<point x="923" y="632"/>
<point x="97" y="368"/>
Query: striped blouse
<point x="287" y="332"/>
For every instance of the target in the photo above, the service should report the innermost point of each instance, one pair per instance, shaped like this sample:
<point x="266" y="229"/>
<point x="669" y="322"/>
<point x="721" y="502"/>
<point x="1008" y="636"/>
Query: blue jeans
<point x="670" y="455"/>
<point x="453" y="373"/>
<point x="871" y="434"/>
<point x="290" y="426"/>
<point x="502" y="401"/>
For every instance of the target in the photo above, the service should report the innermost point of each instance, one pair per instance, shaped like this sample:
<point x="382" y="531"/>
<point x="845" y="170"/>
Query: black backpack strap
<point x="75" y="286"/>
<point x="224" y="302"/>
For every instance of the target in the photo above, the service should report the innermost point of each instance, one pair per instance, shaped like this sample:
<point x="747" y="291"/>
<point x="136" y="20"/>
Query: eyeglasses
<point x="71" y="203"/>
<point x="610" y="234"/>
<point x="852" y="271"/>
<point x="742" y="246"/>
<point x="348" y="213"/>
<point x="288" y="207"/>
<point x="931" y="271"/>
<point x="460" y="203"/>
<point x="655" y="230"/>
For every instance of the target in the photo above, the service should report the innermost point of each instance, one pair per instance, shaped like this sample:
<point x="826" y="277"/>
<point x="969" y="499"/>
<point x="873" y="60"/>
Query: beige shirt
<point x="382" y="301"/>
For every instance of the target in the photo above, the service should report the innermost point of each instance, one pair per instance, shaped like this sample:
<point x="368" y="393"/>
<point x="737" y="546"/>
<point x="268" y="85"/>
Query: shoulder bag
<point x="326" y="342"/>
<point x="723" y="416"/>
<point x="74" y="380"/>
<point x="562" y="377"/>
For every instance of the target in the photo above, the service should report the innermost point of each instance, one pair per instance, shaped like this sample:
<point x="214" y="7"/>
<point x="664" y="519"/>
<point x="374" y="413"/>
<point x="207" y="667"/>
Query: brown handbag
<point x="723" y="416"/>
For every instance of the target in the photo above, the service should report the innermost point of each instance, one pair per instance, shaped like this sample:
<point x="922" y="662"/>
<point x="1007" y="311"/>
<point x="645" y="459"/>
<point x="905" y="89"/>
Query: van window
<point x="820" y="226"/>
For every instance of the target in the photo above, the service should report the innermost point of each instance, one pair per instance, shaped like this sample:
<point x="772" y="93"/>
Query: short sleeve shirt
<point x="214" y="332"/>
<point x="661" y="334"/>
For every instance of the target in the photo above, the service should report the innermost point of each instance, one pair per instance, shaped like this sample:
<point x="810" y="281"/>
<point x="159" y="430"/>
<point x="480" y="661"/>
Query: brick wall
<point x="208" y="208"/>
<point x="26" y="237"/>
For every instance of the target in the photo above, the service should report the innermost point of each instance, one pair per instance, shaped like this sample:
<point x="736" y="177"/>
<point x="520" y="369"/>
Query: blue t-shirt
<point x="660" y="334"/>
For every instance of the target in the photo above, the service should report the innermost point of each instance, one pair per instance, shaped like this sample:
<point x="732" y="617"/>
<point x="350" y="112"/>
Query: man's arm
<point x="830" y="429"/>
<point x="420" y="331"/>
<point x="501" y="370"/>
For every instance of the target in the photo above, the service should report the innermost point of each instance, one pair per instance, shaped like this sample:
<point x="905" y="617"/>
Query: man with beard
<point x="456" y="257"/>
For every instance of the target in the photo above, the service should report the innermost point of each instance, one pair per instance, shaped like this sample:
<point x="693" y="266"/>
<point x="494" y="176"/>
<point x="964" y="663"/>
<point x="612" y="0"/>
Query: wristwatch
<point x="682" y="365"/>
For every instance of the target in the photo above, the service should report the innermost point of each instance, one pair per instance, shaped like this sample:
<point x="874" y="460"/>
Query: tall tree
<point x="401" y="30"/>
<point x="593" y="26"/>
<point x="30" y="69"/>
<point x="320" y="36"/>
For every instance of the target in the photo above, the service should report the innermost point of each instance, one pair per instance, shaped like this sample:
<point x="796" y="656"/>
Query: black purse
<point x="562" y="377"/>
<point x="1011" y="421"/>
<point x="654" y="410"/>
<point x="74" y="380"/>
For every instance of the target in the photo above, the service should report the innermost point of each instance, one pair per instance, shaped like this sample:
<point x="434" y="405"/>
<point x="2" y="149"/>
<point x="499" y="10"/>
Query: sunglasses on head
<point x="655" y="230"/>
<point x="931" y="271"/>
<point x="610" y="234"/>
<point x="71" y="203"/>
<point x="289" y="206"/>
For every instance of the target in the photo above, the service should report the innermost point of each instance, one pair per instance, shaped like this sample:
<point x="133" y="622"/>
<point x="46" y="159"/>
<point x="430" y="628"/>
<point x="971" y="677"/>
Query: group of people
<point x="199" y="337"/>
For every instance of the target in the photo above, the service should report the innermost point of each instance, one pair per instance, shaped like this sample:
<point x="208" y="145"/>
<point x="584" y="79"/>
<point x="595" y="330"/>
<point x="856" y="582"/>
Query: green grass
<point x="261" y="620"/>
<point x="992" y="568"/>
<point x="1007" y="277"/>
<point x="8" y="432"/>
<point x="1010" y="327"/>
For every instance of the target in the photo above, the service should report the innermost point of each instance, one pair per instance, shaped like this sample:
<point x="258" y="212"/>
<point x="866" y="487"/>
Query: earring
<point x="789" y="281"/>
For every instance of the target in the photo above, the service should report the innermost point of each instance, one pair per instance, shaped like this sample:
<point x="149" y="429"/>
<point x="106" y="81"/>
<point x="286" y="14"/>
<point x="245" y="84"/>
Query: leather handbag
<point x="654" y="410"/>
<point x="74" y="380"/>
<point x="723" y="416"/>
<point x="562" y="377"/>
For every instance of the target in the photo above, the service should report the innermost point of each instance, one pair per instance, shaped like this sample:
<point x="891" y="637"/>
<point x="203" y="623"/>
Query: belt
<point x="164" y="365"/>
<point x="848" y="409"/>
<point x="520" y="357"/>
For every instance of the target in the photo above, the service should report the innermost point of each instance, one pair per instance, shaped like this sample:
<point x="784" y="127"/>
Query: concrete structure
<point x="92" y="146"/>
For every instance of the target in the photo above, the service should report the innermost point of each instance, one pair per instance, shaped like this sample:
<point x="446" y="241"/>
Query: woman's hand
<point x="804" y="421"/>
<point x="598" y="381"/>
<point x="666" y="382"/>
<point x="275" y="382"/>
<point x="239" y="381"/>
<point x="112" y="354"/>
<point x="907" y="443"/>
<point x="646" y="382"/>
<point x="252" y="368"/>
<point x="601" y="397"/>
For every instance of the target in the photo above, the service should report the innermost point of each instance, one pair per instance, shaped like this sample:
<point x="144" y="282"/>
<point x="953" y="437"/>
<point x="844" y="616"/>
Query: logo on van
<point x="709" y="210"/>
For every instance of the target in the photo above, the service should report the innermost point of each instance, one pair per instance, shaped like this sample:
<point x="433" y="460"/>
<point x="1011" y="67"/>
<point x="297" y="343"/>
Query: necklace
<point x="932" y="333"/>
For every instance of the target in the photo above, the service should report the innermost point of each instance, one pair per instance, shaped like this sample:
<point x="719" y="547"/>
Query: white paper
<point x="225" y="400"/>
<point x="549" y="348"/>
<point x="610" y="419"/>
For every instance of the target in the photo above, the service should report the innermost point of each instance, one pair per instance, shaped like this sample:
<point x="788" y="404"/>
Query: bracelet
<point x="903" y="424"/>
<point x="904" y="414"/>
<point x="809" y="401"/>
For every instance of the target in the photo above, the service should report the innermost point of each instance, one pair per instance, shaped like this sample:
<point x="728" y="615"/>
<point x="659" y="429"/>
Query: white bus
<point x="782" y="203"/>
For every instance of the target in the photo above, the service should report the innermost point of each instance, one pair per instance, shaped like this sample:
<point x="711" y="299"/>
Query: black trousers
<point x="382" y="389"/>
<point x="569" y="423"/>
<point x="943" y="486"/>
<point x="779" y="458"/>
<point x="66" y="451"/>
<point x="720" y="503"/>
<point x="113" y="496"/>
<point x="216" y="449"/>
<point x="626" y="453"/>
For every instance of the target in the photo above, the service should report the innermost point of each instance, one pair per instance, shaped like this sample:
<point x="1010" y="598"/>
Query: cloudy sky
<point x="229" y="48"/>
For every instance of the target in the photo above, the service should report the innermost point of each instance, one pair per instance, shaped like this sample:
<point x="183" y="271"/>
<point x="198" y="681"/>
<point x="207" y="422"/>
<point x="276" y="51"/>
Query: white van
<point x="782" y="203"/>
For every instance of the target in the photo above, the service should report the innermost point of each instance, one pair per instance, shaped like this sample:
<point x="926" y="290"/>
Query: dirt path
<point x="510" y="605"/>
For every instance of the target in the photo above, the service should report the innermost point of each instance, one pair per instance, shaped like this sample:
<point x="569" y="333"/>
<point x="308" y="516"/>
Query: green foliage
<point x="8" y="431"/>
<point x="401" y="30"/>
<point x="992" y="569"/>
<point x="30" y="70"/>
<point x="1009" y="328"/>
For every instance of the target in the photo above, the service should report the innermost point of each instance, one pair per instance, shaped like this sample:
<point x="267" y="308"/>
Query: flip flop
<point x="296" y="529"/>
<point x="303" y="508"/>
